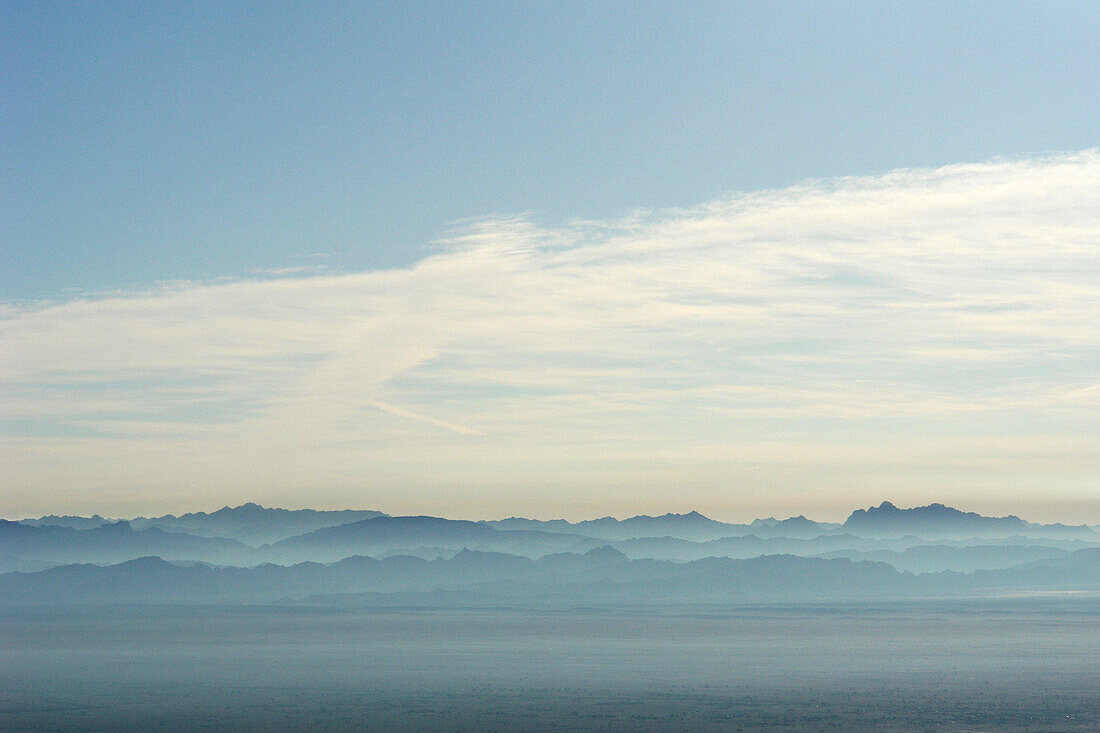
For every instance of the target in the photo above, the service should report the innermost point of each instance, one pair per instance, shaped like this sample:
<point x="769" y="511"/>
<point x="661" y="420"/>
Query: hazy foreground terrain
<point x="251" y="618"/>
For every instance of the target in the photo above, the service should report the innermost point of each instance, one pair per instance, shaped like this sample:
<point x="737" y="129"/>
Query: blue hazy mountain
<point x="254" y="524"/>
<point x="742" y="546"/>
<point x="798" y="526"/>
<point x="600" y="577"/>
<point x="938" y="520"/>
<point x="966" y="559"/>
<point x="692" y="526"/>
<point x="386" y="534"/>
<point x="923" y="539"/>
<point x="1077" y="571"/>
<point x="432" y="536"/>
<point x="70" y="521"/>
<point x="541" y="525"/>
<point x="883" y="521"/>
<point x="154" y="580"/>
<point x="28" y="547"/>
<point x="904" y="553"/>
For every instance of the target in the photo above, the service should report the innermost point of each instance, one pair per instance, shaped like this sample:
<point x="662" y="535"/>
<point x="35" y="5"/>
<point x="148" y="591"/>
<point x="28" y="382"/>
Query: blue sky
<point x="144" y="142"/>
<point x="561" y="259"/>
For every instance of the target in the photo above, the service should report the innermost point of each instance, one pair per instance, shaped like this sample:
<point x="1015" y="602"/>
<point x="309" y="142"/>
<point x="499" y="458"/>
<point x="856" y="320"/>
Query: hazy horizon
<point x="730" y="517"/>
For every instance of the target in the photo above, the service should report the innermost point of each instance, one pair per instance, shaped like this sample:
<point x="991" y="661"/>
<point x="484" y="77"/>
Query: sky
<point x="554" y="259"/>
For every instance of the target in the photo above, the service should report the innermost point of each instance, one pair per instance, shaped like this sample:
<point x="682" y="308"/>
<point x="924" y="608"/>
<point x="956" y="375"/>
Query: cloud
<point x="958" y="299"/>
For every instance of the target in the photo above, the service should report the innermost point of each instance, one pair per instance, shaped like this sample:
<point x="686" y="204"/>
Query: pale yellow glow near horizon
<point x="924" y="335"/>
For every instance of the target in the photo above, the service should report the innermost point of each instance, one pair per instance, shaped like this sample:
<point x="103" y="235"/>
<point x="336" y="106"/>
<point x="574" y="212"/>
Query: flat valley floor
<point x="1011" y="665"/>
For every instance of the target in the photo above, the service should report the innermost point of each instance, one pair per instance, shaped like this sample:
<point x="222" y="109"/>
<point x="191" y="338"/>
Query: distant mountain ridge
<point x="378" y="534"/>
<point x="24" y="546"/>
<point x="692" y="526"/>
<point x="255" y="524"/>
<point x="250" y="534"/>
<point x="935" y="519"/>
<point x="597" y="578"/>
<point x="70" y="521"/>
<point x="250" y="523"/>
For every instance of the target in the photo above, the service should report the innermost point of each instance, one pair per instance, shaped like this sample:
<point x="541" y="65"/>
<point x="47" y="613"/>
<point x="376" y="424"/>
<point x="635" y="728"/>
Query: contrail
<point x="402" y="412"/>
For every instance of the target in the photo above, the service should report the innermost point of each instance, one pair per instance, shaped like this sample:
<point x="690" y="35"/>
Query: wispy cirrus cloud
<point x="933" y="302"/>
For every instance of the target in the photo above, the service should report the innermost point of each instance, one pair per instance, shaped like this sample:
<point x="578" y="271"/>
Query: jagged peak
<point x="931" y="516"/>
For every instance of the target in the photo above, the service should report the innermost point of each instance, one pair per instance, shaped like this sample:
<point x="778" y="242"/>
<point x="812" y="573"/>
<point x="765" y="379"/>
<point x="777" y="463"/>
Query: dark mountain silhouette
<point x="29" y="547"/>
<point x="904" y="553"/>
<point x="929" y="521"/>
<point x="1077" y="571"/>
<point x="386" y="534"/>
<point x="937" y="558"/>
<point x="798" y="526"/>
<point x="951" y="539"/>
<point x="253" y="524"/>
<point x="73" y="522"/>
<point x="742" y="547"/>
<point x="799" y="522"/>
<point x="1067" y="531"/>
<point x="540" y="525"/>
<point x="153" y="580"/>
<point x="882" y="534"/>
<point x="600" y="577"/>
<point x="795" y="527"/>
<point x="691" y="526"/>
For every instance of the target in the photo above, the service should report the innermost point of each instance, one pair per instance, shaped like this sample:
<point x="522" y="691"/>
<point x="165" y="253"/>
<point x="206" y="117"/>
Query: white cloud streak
<point x="947" y="301"/>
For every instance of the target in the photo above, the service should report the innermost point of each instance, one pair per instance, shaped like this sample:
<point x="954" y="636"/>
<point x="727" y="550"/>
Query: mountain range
<point x="254" y="524"/>
<point x="29" y="547"/>
<point x="599" y="577"/>
<point x="249" y="552"/>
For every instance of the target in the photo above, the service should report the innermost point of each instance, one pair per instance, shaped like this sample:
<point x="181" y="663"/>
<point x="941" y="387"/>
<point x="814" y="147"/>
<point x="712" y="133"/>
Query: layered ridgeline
<point x="250" y="523"/>
<point x="597" y="578"/>
<point x="250" y="554"/>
